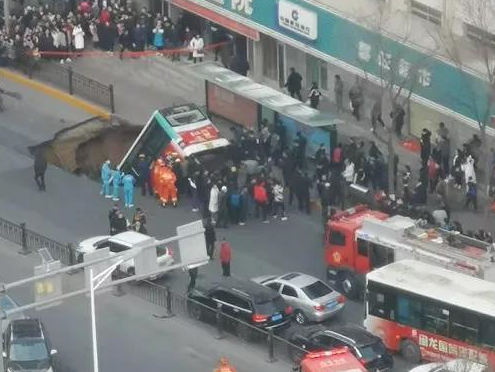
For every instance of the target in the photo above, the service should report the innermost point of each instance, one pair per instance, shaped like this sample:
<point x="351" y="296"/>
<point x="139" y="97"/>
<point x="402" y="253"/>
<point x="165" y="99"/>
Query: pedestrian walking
<point x="128" y="181"/>
<point x="225" y="257"/>
<point x="293" y="83"/>
<point x="397" y="115"/>
<point x="105" y="175"/>
<point x="471" y="194"/>
<point x="356" y="96"/>
<point x="376" y="114"/>
<point x="338" y="90"/>
<point x="193" y="274"/>
<point x="78" y="35"/>
<point x="197" y="45"/>
<point x="210" y="238"/>
<point x="425" y="146"/>
<point x="116" y="180"/>
<point x="260" y="197"/>
<point x="40" y="166"/>
<point x="223" y="213"/>
<point x="468" y="169"/>
<point x="314" y="95"/>
<point x="112" y="215"/>
<point x="278" y="201"/>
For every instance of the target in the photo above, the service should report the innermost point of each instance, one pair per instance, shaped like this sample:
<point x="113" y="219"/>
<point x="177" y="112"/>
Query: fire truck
<point x="359" y="240"/>
<point x="337" y="360"/>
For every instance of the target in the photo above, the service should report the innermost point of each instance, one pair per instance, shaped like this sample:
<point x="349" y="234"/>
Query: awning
<point x="226" y="22"/>
<point x="264" y="95"/>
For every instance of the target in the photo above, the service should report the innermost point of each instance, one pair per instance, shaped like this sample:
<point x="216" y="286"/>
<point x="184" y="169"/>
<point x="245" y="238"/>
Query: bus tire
<point x="349" y="285"/>
<point x="410" y="351"/>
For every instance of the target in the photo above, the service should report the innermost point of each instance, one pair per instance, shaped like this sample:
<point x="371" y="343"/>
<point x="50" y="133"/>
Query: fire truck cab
<point x="345" y="266"/>
<point x="358" y="241"/>
<point x="337" y="360"/>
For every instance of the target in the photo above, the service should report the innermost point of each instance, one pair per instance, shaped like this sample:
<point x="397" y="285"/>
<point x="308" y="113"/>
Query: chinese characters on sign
<point x="297" y="19"/>
<point x="436" y="345"/>
<point x="384" y="61"/>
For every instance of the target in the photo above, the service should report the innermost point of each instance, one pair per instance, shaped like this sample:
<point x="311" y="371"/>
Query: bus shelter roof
<point x="264" y="95"/>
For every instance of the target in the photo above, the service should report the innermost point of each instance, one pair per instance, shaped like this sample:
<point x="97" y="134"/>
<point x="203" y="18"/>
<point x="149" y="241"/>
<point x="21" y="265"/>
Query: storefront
<point x="320" y="44"/>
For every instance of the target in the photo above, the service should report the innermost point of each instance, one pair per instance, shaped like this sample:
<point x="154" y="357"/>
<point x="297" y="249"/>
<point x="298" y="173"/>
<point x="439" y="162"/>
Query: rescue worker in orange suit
<point x="224" y="366"/>
<point x="155" y="176"/>
<point x="167" y="190"/>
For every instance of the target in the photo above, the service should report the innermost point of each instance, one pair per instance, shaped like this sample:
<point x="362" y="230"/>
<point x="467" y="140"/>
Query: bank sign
<point x="437" y="81"/>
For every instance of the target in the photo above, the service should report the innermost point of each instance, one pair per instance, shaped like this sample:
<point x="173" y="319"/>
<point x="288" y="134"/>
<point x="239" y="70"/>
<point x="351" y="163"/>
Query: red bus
<point x="431" y="313"/>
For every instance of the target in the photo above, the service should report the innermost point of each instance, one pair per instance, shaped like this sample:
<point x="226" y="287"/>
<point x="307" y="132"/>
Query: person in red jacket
<point x="260" y="197"/>
<point x="225" y="257"/>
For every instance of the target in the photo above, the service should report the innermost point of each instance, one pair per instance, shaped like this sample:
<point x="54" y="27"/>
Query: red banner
<point x="218" y="18"/>
<point x="199" y="135"/>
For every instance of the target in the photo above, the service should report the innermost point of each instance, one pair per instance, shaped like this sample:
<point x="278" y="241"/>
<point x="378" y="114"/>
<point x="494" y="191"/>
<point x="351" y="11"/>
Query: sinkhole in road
<point x="83" y="147"/>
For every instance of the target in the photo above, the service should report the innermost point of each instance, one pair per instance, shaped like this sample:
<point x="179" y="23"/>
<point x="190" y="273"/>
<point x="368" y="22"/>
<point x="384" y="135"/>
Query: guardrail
<point x="174" y="304"/>
<point x="74" y="83"/>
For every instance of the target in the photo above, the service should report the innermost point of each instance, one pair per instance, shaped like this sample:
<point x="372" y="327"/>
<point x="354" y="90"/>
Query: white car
<point x="122" y="242"/>
<point x="455" y="365"/>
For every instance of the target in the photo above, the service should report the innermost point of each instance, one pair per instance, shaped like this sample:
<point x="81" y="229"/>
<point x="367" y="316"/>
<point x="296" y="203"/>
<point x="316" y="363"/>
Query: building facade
<point x="321" y="38"/>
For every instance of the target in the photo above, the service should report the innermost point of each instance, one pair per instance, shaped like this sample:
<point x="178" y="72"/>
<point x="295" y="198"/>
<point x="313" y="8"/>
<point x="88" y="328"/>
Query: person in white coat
<point x="468" y="169"/>
<point x="213" y="205"/>
<point x="197" y="45"/>
<point x="348" y="173"/>
<point x="78" y="35"/>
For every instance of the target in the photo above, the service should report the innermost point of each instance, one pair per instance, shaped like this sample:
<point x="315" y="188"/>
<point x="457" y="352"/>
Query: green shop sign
<point x="435" y="80"/>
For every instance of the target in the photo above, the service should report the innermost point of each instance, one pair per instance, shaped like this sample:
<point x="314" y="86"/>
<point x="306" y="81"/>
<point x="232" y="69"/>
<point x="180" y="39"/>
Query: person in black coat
<point x="293" y="83"/>
<point x="143" y="168"/>
<point x="425" y="146"/>
<point x="210" y="238"/>
<point x="40" y="166"/>
<point x="118" y="223"/>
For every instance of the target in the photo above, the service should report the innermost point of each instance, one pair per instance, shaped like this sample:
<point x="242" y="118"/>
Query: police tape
<point x="127" y="53"/>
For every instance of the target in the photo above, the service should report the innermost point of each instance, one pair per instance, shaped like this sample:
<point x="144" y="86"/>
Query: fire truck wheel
<point x="349" y="286"/>
<point x="410" y="351"/>
<point x="300" y="317"/>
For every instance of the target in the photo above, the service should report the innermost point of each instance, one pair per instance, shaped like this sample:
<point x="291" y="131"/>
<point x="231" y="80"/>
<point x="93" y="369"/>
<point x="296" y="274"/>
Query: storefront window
<point x="270" y="52"/>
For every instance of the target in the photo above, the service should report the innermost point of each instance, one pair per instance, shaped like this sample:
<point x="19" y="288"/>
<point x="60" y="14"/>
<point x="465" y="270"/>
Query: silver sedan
<point x="311" y="299"/>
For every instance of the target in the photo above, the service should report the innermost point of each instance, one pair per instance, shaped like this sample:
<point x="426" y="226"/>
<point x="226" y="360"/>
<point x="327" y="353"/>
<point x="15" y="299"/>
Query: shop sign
<point x="297" y="19"/>
<point x="364" y="53"/>
<point x="244" y="7"/>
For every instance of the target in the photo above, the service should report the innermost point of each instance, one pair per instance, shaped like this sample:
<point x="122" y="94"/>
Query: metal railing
<point x="32" y="241"/>
<point x="269" y="342"/>
<point x="74" y="83"/>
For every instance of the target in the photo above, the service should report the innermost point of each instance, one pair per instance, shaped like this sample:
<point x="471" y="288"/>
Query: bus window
<point x="487" y="333"/>
<point x="435" y="319"/>
<point x="464" y="326"/>
<point x="408" y="311"/>
<point x="336" y="238"/>
<point x="381" y="305"/>
<point x="380" y="256"/>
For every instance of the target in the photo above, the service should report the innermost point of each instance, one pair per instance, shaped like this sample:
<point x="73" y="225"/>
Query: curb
<point x="47" y="90"/>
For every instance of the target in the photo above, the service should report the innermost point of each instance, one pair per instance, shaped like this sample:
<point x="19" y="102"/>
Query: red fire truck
<point x="337" y="360"/>
<point x="359" y="240"/>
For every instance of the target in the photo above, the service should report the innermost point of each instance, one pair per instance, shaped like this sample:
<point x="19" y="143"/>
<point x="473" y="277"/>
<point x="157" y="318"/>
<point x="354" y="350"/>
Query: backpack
<point x="260" y="195"/>
<point x="235" y="200"/>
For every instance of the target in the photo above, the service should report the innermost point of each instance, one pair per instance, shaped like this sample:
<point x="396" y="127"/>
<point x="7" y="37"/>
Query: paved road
<point x="129" y="337"/>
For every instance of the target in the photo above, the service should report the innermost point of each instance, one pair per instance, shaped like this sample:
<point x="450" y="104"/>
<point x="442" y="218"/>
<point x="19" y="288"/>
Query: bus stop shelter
<point x="244" y="102"/>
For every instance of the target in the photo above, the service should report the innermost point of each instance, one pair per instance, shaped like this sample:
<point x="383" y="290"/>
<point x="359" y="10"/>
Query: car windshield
<point x="269" y="305"/>
<point x="316" y="290"/>
<point x="6" y="303"/>
<point x="371" y="351"/>
<point x="28" y="350"/>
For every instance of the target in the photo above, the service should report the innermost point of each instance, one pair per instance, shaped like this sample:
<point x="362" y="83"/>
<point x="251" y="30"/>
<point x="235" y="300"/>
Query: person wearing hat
<point x="143" y="169"/>
<point x="105" y="174"/>
<point x="116" y="181"/>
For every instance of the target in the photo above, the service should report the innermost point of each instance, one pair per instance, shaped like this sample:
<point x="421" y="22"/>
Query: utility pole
<point x="6" y="14"/>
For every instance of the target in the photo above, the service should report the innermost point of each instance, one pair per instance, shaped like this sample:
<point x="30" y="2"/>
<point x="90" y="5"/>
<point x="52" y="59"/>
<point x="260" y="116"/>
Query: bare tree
<point x="478" y="14"/>
<point x="398" y="77"/>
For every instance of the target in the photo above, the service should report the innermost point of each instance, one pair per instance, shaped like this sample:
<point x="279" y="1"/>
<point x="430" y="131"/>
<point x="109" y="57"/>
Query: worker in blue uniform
<point x="106" y="174"/>
<point x="116" y="181"/>
<point x="128" y="180"/>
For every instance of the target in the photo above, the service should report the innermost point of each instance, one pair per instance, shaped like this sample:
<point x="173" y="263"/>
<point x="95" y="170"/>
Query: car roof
<point x="297" y="279"/>
<point x="26" y="328"/>
<point x="357" y="335"/>
<point x="130" y="238"/>
<point x="244" y="287"/>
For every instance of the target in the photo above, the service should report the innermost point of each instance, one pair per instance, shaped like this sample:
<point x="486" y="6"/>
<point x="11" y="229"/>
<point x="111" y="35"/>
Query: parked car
<point x="122" y="242"/>
<point x="249" y="306"/>
<point x="27" y="347"/>
<point x="311" y="299"/>
<point x="366" y="347"/>
<point x="7" y="303"/>
<point x="455" y="365"/>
